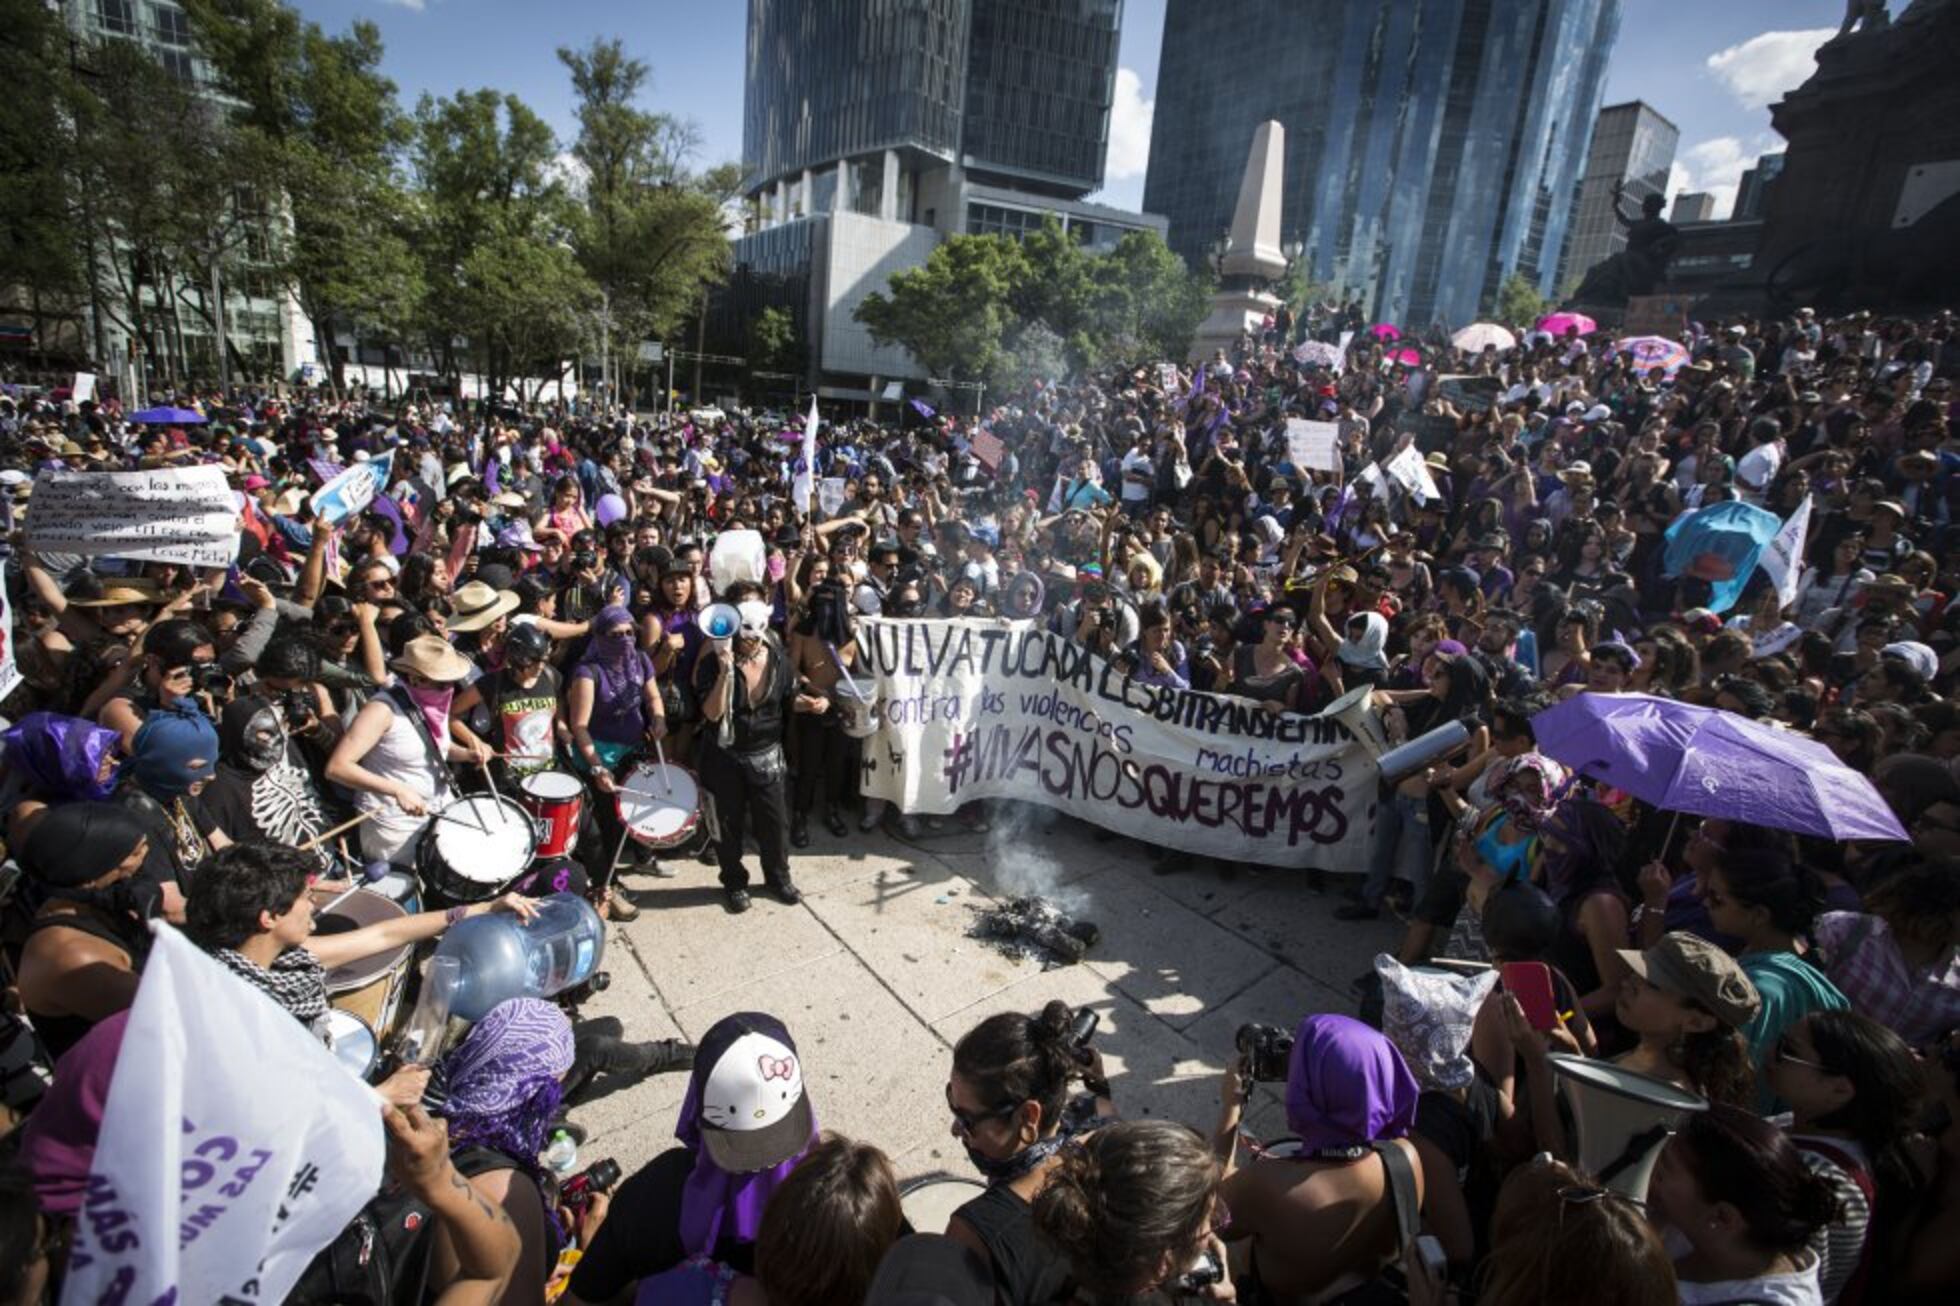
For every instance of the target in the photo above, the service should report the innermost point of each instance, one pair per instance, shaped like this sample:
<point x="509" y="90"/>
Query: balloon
<point x="609" y="509"/>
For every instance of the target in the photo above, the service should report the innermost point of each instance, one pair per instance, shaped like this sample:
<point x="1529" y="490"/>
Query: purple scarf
<point x="1346" y="1085"/>
<point x="617" y="670"/>
<point x="62" y="755"/>
<point x="502" y="1079"/>
<point x="717" y="1205"/>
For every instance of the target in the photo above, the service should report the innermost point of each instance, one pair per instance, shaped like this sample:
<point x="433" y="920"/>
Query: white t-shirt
<point x="1137" y="463"/>
<point x="1757" y="468"/>
<point x="1799" y="1288"/>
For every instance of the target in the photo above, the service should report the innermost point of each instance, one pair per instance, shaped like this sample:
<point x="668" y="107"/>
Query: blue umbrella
<point x="167" y="416"/>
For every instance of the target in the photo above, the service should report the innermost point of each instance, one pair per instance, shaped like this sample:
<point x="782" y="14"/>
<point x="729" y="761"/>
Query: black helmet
<point x="526" y="642"/>
<point x="1521" y="922"/>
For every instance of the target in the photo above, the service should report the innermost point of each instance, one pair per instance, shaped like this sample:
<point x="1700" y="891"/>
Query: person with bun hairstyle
<point x="1131" y="1208"/>
<point x="1733" y="1188"/>
<point x="1854" y="1090"/>
<point x="1009" y="1098"/>
<point x="1768" y="901"/>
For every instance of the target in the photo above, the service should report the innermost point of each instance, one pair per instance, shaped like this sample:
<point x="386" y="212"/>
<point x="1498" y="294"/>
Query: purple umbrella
<point x="167" y="417"/>
<point x="1707" y="762"/>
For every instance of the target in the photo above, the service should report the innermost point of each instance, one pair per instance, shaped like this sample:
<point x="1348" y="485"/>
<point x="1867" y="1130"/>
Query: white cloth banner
<point x="1313" y="445"/>
<point x="991" y="709"/>
<point x="233" y="1145"/>
<point x="806" y="465"/>
<point x="187" y="515"/>
<point x="1783" y="555"/>
<point x="9" y="656"/>
<point x="1347" y="338"/>
<point x="1409" y="471"/>
<point x="348" y="494"/>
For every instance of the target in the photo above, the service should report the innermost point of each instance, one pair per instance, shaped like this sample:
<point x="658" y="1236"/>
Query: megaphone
<point x="1425" y="748"/>
<point x="720" y="621"/>
<point x="1355" y="711"/>
<point x="1623" y="1118"/>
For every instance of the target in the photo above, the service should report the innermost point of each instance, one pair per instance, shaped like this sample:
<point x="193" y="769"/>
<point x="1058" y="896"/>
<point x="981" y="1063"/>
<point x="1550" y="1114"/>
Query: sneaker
<point x="735" y="900"/>
<point x="799" y="831"/>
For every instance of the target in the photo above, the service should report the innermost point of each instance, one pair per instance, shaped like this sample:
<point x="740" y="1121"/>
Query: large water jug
<point x="738" y="556"/>
<point x="502" y="958"/>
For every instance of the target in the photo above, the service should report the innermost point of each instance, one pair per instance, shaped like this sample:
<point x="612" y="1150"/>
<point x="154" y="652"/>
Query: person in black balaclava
<point x="261" y="791"/>
<point x="92" y="901"/>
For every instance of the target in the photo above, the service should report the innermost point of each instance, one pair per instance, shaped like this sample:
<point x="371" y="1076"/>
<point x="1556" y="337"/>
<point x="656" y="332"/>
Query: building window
<point x="173" y="25"/>
<point x="179" y="64"/>
<point x="116" y="16"/>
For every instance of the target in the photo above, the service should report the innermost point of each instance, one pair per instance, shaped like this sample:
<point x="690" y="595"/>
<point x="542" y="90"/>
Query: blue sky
<point x="1710" y="67"/>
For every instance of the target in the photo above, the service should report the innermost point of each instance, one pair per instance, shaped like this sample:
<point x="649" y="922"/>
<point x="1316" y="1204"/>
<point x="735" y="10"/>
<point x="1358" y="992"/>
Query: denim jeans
<point x="1402" y="848"/>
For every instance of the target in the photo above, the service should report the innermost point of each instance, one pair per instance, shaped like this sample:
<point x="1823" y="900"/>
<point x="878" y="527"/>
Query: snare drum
<point x="660" y="804"/>
<point x="370" y="988"/>
<point x="352" y="1043"/>
<point x="929" y="1203"/>
<point x="474" y="847"/>
<point x="557" y="800"/>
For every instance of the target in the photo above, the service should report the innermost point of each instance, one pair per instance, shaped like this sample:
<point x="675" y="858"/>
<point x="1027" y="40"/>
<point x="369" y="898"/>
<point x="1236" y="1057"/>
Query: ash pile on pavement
<point x="1035" y="929"/>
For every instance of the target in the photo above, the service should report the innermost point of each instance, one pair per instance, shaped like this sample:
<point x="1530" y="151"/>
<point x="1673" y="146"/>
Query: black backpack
<point x="380" y="1259"/>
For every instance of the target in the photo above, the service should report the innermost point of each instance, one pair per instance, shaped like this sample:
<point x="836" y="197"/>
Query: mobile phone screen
<point x="1530" y="982"/>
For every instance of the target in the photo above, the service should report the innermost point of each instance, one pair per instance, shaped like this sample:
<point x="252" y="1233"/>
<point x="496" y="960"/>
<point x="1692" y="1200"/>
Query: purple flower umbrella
<point x="1707" y="762"/>
<point x="1650" y="352"/>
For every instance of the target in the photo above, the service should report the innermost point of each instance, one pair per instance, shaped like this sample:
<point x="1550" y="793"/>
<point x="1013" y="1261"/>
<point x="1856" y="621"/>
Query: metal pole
<point x="218" y="323"/>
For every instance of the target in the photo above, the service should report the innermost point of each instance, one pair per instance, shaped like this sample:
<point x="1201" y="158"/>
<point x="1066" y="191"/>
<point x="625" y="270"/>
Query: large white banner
<point x="187" y="515"/>
<point x="233" y="1145"/>
<point x="992" y="709"/>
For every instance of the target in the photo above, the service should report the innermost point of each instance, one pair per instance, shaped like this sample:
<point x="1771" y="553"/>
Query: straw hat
<point x="476" y="605"/>
<point x="430" y="657"/>
<point x="121" y="591"/>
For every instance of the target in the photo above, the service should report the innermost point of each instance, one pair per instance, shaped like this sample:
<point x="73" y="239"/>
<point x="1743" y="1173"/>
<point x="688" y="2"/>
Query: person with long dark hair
<point x="1583" y="863"/>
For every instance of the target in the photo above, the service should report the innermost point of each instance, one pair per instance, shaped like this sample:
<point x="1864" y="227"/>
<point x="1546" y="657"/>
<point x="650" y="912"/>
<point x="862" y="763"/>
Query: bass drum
<point x="929" y="1202"/>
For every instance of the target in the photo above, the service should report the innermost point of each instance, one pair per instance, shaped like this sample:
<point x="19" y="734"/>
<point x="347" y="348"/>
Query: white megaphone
<point x="720" y="621"/>
<point x="1622" y="1117"/>
<point x="1355" y="710"/>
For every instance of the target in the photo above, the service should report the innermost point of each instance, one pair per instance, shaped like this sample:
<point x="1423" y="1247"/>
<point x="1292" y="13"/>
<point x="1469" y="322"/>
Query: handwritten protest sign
<point x="1409" y="471"/>
<point x="1312" y="445"/>
<point x="9" y="659"/>
<point x="187" y="515"/>
<point x="988" y="449"/>
<point x="1167" y="378"/>
<point x="349" y="493"/>
<point x="977" y="709"/>
<point x="210" y="1183"/>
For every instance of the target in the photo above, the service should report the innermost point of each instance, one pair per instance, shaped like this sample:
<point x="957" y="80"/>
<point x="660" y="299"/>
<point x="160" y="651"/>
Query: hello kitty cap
<point x="754" y="1114"/>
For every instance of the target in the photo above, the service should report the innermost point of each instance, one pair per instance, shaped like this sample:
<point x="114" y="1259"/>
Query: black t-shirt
<point x="1026" y="1272"/>
<point x="642" y="1235"/>
<point x="758" y="724"/>
<point x="519" y="720"/>
<point x="282" y="804"/>
<point x="178" y="831"/>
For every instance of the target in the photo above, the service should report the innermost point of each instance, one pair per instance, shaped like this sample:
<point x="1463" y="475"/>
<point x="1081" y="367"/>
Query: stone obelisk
<point x="1253" y="259"/>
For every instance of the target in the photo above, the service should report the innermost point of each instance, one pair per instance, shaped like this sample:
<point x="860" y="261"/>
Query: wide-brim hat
<point x="430" y="657"/>
<point x="122" y="591"/>
<point x="476" y="605"/>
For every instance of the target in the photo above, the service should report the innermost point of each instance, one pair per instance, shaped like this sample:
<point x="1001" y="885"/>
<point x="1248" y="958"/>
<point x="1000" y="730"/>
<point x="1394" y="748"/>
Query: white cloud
<point x="1716" y="166"/>
<point x="417" y="5"/>
<point x="1129" y="128"/>
<point x="1763" y="67"/>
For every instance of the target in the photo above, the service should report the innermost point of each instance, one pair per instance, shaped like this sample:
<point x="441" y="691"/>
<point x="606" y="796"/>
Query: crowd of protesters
<point x="529" y="595"/>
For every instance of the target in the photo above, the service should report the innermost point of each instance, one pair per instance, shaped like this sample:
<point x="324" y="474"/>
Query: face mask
<point x="755" y="617"/>
<point x="1003" y="1170"/>
<point x="777" y="566"/>
<point x="434" y="700"/>
<point x="264" y="745"/>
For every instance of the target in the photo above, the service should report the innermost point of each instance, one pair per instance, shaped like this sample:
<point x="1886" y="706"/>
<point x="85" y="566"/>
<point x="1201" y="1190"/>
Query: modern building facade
<point x="1692" y="206"/>
<point x="1632" y="150"/>
<point x="262" y="320"/>
<point x="1753" y="192"/>
<point x="1433" y="146"/>
<point x="874" y="129"/>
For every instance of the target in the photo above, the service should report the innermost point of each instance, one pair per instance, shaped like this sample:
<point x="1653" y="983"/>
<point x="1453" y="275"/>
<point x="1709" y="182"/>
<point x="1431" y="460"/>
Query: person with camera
<point x="1099" y="620"/>
<point x="179" y="662"/>
<point x="1326" y="1215"/>
<point x="1013" y="1113"/>
<point x="589" y="583"/>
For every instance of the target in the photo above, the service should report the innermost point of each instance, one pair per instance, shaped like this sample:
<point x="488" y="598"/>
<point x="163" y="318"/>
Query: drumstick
<point x="666" y="780"/>
<point x="325" y="835"/>
<point x="372" y="873"/>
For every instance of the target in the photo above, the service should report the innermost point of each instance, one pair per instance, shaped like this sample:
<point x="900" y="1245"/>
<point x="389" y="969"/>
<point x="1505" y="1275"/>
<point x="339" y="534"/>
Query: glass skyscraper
<point x="1433" y="147"/>
<point x="1632" y="146"/>
<point x="1039" y="78"/>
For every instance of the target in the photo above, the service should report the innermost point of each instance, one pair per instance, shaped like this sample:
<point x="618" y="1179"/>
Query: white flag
<point x="1412" y="474"/>
<point x="1783" y="555"/>
<point x="806" y="471"/>
<point x="233" y="1145"/>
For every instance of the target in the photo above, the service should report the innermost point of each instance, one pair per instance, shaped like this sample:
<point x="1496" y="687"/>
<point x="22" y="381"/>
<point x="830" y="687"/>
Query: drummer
<point x="253" y="911"/>
<point x="390" y="756"/>
<point x="613" y="706"/>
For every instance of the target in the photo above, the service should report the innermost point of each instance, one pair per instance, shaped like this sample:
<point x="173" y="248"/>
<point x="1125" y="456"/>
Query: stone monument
<point x="1253" y="259"/>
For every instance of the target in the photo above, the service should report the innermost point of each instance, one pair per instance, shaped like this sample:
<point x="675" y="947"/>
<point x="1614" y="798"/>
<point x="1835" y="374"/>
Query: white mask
<point x="755" y="617"/>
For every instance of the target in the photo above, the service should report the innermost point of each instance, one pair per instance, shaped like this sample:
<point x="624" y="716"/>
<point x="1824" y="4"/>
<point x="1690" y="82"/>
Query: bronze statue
<point x="1642" y="266"/>
<point x="1870" y="15"/>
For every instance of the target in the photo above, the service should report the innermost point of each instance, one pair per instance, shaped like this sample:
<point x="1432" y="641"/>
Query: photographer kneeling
<point x="1008" y="1095"/>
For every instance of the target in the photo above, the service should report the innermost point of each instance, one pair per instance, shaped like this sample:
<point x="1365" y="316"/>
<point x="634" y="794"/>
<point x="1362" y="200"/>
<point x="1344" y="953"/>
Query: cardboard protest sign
<point x="988" y="449"/>
<point x="1313" y="445"/>
<point x="1167" y="378"/>
<point x="830" y="495"/>
<point x="348" y="494"/>
<point x="187" y="515"/>
<point x="978" y="709"/>
<point x="1408" y="470"/>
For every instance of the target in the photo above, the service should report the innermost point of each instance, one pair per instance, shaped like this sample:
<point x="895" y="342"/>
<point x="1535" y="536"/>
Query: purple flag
<point x="923" y="409"/>
<point x="490" y="482"/>
<point x="1197" y="393"/>
<point x="387" y="507"/>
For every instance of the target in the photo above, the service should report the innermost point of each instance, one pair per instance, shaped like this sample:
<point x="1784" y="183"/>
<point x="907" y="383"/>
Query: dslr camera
<point x="1264" y="1051"/>
<point x="576" y="1193"/>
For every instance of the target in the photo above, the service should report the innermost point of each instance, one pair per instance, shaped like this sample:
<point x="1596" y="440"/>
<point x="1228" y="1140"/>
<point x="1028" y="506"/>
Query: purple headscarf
<point x="1346" y="1085"/>
<point x="717" y="1205"/>
<point x="58" y="1141"/>
<point x="63" y="755"/>
<point x="502" y="1079"/>
<point x="619" y="669"/>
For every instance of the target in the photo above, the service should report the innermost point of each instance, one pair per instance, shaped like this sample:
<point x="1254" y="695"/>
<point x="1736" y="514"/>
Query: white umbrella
<point x="1478" y="336"/>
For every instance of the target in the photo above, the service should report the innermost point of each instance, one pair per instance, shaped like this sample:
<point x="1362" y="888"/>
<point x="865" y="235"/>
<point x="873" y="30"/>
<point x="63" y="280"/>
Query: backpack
<point x="380" y="1259"/>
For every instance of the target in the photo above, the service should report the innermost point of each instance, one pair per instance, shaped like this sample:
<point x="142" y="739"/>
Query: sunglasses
<point x="969" y="1121"/>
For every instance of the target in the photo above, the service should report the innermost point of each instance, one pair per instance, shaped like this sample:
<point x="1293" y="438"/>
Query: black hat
<point x="754" y="1114"/>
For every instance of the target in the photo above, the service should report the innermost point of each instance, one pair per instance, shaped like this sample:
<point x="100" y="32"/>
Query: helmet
<point x="526" y="642"/>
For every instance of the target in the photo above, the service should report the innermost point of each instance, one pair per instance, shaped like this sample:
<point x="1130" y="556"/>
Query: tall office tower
<point x="1433" y="147"/>
<point x="1632" y="148"/>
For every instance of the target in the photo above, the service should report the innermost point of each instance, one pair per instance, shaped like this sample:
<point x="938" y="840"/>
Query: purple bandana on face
<point x="64" y="755"/>
<point x="1346" y="1085"/>
<point x="502" y="1079"/>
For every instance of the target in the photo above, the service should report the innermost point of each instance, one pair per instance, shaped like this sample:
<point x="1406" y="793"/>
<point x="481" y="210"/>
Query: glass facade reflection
<point x="828" y="79"/>
<point x="1039" y="78"/>
<point x="1433" y="147"/>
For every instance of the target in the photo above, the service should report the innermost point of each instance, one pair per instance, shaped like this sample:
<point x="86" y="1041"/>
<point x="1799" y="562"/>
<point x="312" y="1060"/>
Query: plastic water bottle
<point x="501" y="958"/>
<point x="561" y="1154"/>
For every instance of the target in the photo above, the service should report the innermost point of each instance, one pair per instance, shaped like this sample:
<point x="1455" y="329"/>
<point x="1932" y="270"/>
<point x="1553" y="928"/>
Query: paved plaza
<point x="876" y="977"/>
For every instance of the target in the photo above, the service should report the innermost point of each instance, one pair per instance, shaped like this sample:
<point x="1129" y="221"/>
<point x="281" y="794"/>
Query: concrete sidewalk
<point x="875" y="977"/>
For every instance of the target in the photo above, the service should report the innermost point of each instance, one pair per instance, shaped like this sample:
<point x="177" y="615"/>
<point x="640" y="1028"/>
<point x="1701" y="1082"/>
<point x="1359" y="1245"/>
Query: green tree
<point x="1517" y="303"/>
<point x="952" y="314"/>
<point x="41" y="264"/>
<point x="773" y="345"/>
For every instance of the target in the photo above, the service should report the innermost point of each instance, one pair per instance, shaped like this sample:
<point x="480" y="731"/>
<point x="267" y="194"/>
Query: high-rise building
<point x="1632" y="150"/>
<point x="1753" y="191"/>
<point x="1693" y="206"/>
<point x="873" y="129"/>
<point x="263" y="322"/>
<point x="1433" y="147"/>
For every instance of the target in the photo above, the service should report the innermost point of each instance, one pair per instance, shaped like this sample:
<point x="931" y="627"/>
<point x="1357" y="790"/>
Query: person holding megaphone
<point x="744" y="688"/>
